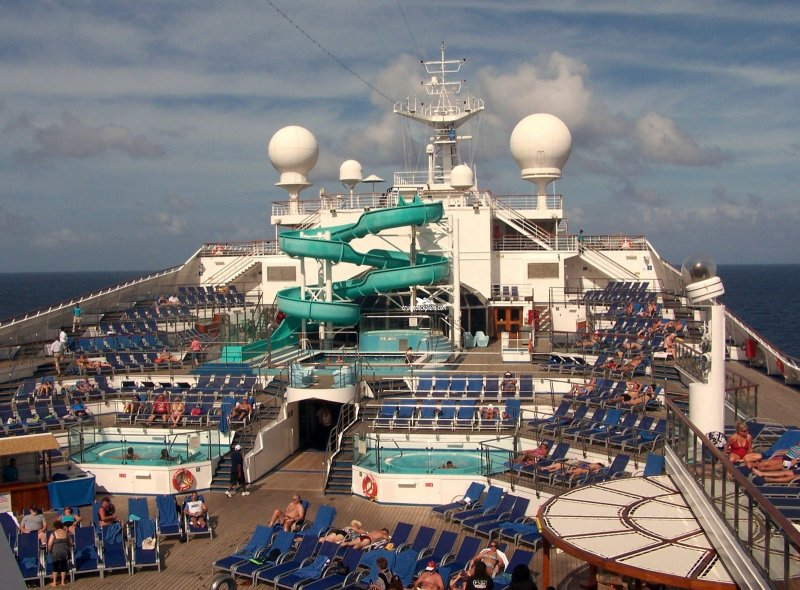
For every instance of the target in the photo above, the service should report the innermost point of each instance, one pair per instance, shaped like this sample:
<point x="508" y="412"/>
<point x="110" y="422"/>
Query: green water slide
<point x="392" y="269"/>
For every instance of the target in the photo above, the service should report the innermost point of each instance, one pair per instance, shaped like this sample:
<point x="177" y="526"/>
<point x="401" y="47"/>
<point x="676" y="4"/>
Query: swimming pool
<point x="144" y="453"/>
<point x="418" y="461"/>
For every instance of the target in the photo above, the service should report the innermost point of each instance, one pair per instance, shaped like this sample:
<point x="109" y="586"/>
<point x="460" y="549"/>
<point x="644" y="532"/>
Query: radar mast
<point x="445" y="113"/>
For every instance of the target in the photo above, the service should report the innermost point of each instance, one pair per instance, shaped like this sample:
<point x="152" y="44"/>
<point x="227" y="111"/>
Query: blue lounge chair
<point x="293" y="561"/>
<point x="168" y="522"/>
<point x="492" y="499"/>
<point x="322" y="522"/>
<point x="85" y="557"/>
<point x="196" y="531"/>
<point x="444" y="546"/>
<point x="520" y="557"/>
<point x="422" y="541"/>
<point x="472" y="495"/>
<point x="113" y="553"/>
<point x="138" y="507"/>
<point x="502" y="511"/>
<point x="144" y="531"/>
<point x="281" y="545"/>
<point x="308" y="571"/>
<point x="349" y="562"/>
<point x="258" y="540"/>
<point x="28" y="556"/>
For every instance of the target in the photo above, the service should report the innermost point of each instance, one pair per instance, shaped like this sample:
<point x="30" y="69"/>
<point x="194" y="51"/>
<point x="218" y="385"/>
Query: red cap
<point x="431" y="566"/>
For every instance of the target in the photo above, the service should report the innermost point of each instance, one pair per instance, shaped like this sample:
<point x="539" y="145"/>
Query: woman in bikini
<point x="739" y="445"/>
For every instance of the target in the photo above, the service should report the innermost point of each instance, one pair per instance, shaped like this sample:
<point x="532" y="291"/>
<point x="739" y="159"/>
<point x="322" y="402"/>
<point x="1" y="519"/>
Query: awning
<point x="31" y="443"/>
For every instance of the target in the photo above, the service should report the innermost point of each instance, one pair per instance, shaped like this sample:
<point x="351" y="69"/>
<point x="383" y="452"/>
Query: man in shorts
<point x="237" y="473"/>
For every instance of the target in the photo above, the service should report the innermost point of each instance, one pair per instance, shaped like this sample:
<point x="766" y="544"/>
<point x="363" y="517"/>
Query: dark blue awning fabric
<point x="71" y="492"/>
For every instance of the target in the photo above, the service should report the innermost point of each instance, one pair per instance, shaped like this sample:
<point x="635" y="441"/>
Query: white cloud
<point x="75" y="139"/>
<point x="661" y="141"/>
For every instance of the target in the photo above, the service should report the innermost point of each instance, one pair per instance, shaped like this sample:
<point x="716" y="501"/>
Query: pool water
<point x="416" y="461"/>
<point x="113" y="453"/>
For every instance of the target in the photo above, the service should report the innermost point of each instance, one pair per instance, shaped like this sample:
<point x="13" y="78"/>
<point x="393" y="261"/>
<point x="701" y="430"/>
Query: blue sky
<point x="134" y="132"/>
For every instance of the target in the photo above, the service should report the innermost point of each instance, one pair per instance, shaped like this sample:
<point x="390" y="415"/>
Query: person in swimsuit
<point x="780" y="460"/>
<point x="346" y="534"/>
<point x="58" y="545"/>
<point x="69" y="519"/>
<point x="429" y="579"/>
<point x="286" y="518"/>
<point x="740" y="444"/>
<point x="366" y="539"/>
<point x="529" y="456"/>
<point x="177" y="410"/>
<point x="160" y="408"/>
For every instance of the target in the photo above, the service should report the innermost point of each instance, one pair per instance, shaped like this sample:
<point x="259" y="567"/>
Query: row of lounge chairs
<point x="293" y="560"/>
<point x="97" y="550"/>
<point x="39" y="416"/>
<point x="473" y="386"/>
<point x="119" y="343"/>
<point x="616" y="291"/>
<point x="447" y="414"/>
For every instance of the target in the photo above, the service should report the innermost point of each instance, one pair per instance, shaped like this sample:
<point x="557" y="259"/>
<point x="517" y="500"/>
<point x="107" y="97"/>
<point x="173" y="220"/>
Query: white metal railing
<point x="530" y="202"/>
<point x="60" y="306"/>
<point x="254" y="248"/>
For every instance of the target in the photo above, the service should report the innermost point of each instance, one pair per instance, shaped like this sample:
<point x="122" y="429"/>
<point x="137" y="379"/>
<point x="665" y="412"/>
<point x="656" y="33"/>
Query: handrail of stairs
<point x="348" y="415"/>
<point x="534" y="231"/>
<point x="624" y="272"/>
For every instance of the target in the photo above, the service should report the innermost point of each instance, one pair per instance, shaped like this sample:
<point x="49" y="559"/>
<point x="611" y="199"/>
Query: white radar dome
<point x="541" y="145"/>
<point x="293" y="151"/>
<point x="350" y="173"/>
<point x="461" y="177"/>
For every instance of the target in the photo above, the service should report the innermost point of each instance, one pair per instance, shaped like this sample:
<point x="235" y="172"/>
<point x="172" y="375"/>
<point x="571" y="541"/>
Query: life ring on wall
<point x="780" y="366"/>
<point x="182" y="480"/>
<point x="369" y="487"/>
<point x="218" y="250"/>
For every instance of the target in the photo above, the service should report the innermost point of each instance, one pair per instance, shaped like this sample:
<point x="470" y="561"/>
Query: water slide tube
<point x="393" y="270"/>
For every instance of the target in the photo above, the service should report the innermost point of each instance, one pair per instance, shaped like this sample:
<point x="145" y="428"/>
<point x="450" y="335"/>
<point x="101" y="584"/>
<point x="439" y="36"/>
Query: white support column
<point x="707" y="400"/>
<point x="456" y="262"/>
<point x="303" y="297"/>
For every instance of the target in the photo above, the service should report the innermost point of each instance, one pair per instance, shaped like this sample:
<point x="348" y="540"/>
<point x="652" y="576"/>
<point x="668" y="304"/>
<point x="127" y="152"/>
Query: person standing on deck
<point x="237" y="473"/>
<point x="57" y="348"/>
<point x="76" y="317"/>
<point x="197" y="351"/>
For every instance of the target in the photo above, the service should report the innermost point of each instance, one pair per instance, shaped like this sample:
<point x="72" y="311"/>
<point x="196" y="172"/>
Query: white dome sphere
<point x="541" y="145"/>
<point x="350" y="173"/>
<point x="461" y="177"/>
<point x="293" y="149"/>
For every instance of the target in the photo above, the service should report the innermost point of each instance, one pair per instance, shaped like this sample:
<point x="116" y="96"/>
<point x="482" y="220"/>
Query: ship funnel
<point x="541" y="145"/>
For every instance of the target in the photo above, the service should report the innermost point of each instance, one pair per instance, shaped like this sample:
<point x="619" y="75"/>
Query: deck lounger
<point x="567" y="421"/>
<point x="138" y="507"/>
<point x="10" y="528"/>
<point x="465" y="415"/>
<point x="469" y="548"/>
<point x="500" y="511"/>
<point x="492" y="388"/>
<point x="291" y="562"/>
<point x="113" y="553"/>
<point x="526" y="386"/>
<point x="447" y="414"/>
<point x="493" y="496"/>
<point x="474" y="387"/>
<point x="458" y="386"/>
<point x="350" y="562"/>
<point x="520" y="557"/>
<point x="168" y="522"/>
<point x="421" y="541"/>
<point x="322" y="522"/>
<point x="427" y="414"/>
<point x="385" y="418"/>
<point x="196" y="531"/>
<point x="405" y="414"/>
<point x="560" y="412"/>
<point x="142" y="555"/>
<point x="85" y="557"/>
<point x="28" y="556"/>
<point x="258" y="540"/>
<point x="620" y="440"/>
<point x="281" y="545"/>
<point x="401" y="533"/>
<point x="309" y="570"/>
<point x="654" y="465"/>
<point x="472" y="495"/>
<point x="444" y="546"/>
<point x="491" y="527"/>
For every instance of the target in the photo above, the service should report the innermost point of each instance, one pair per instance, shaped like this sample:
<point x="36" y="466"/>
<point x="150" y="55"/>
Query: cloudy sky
<point x="132" y="132"/>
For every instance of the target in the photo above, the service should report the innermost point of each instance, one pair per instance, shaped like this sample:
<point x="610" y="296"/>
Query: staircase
<point x="267" y="412"/>
<point x="523" y="225"/>
<point x="340" y="479"/>
<point x="233" y="270"/>
<point x="606" y="265"/>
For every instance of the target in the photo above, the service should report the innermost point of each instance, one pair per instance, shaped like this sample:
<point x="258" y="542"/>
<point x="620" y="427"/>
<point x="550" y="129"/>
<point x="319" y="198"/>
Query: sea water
<point x="764" y="296"/>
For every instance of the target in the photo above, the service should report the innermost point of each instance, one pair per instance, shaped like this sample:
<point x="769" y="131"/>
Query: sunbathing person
<point x="573" y="468"/>
<point x="195" y="509"/>
<point x="287" y="518"/>
<point x="164" y="357"/>
<point x="631" y="365"/>
<point x="69" y="519"/>
<point x="776" y="462"/>
<point x="177" y="410"/>
<point x="241" y="410"/>
<point x="365" y="539"/>
<point x="634" y="396"/>
<point x="783" y="476"/>
<point x="669" y="343"/>
<point x="346" y="534"/>
<point x="529" y="456"/>
<point x="740" y="445"/>
<point x="582" y="388"/>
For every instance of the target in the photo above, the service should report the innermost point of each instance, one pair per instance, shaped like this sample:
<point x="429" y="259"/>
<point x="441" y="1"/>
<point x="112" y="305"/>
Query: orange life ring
<point x="780" y="366"/>
<point x="369" y="486"/>
<point x="218" y="250"/>
<point x="182" y="480"/>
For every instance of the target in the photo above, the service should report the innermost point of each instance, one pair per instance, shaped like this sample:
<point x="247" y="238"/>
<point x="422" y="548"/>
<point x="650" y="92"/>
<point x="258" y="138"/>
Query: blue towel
<point x="313" y="571"/>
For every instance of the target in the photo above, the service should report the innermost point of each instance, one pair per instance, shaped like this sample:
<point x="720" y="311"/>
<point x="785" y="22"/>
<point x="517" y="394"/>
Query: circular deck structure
<point x="638" y="527"/>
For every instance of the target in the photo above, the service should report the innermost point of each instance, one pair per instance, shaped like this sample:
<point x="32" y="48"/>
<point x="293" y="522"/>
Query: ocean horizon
<point x="756" y="293"/>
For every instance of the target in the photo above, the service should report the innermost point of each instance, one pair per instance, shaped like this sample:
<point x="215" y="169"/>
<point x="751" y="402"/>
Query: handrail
<point x="749" y="330"/>
<point x="84" y="297"/>
<point x="348" y="415"/>
<point x="736" y="501"/>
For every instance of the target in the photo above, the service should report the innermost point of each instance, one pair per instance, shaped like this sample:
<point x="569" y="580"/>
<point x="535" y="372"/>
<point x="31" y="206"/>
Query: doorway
<point x="317" y="418"/>
<point x="507" y="319"/>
